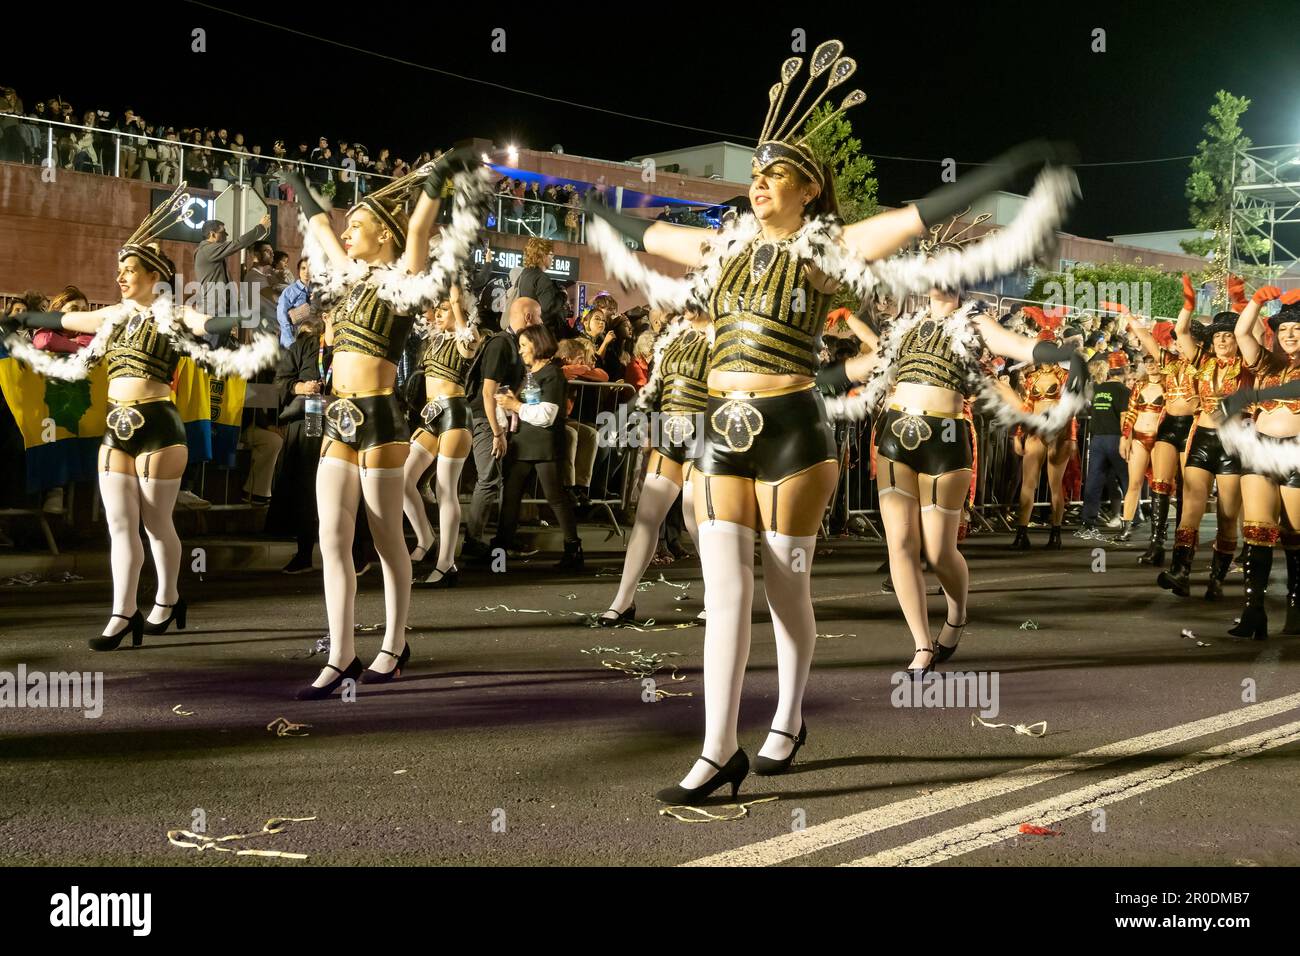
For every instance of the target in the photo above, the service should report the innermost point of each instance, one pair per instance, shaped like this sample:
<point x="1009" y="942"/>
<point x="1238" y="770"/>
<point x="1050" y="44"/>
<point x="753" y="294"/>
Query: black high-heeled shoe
<point x="370" y="676"/>
<point x="770" y="766"/>
<point x="312" y="692"/>
<point x="621" y="617"/>
<point x="177" y="615"/>
<point x="734" y="773"/>
<point x="1253" y="624"/>
<point x="134" y="624"/>
<point x="943" y="651"/>
<point x="919" y="672"/>
<point x="447" y="579"/>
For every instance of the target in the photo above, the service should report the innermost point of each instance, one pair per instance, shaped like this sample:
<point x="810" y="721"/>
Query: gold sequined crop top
<point x="1044" y="383"/>
<point x="685" y="367"/>
<point x="1179" y="380"/>
<point x="1156" y="404"/>
<point x="137" y="349"/>
<point x="768" y="316"/>
<point x="365" y="323"/>
<point x="926" y="357"/>
<point x="442" y="359"/>
<point x="1288" y="374"/>
<point x="1216" y="379"/>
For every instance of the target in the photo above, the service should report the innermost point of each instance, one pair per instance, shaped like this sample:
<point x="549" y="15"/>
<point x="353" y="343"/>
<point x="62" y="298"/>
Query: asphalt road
<point x="505" y="744"/>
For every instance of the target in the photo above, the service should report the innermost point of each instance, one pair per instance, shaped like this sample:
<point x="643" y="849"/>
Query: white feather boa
<point x="245" y="361"/>
<point x="967" y="344"/>
<point x="1277" y="458"/>
<point x="818" y="242"/>
<point x="411" y="294"/>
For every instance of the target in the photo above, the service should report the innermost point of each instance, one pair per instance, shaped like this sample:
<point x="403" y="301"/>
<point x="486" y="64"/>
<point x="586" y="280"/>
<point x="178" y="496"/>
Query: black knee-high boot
<point x="1220" y="562"/>
<point x="1155" y="552"/>
<point x="1254" y="618"/>
<point x="1177" y="577"/>
<point x="1292" y="625"/>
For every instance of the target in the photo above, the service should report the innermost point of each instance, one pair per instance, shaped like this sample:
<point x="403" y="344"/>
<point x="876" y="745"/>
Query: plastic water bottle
<point x="531" y="393"/>
<point x="314" y="407"/>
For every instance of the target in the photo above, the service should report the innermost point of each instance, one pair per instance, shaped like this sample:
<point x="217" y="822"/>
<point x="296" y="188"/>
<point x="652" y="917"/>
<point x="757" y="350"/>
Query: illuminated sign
<point x="563" y="268"/>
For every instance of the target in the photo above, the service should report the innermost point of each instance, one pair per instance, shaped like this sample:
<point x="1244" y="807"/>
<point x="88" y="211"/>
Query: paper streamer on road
<point x="283" y="727"/>
<point x="737" y="811"/>
<point x="1026" y="729"/>
<point x="199" y="841"/>
<point x="182" y="713"/>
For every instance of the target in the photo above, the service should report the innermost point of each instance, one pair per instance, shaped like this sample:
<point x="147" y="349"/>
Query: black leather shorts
<point x="680" y="438"/>
<point x="144" y="427"/>
<point x="927" y="444"/>
<point x="1289" y="480"/>
<point x="765" y="439"/>
<point x="1206" y="451"/>
<point x="1174" y="429"/>
<point x="366" y="421"/>
<point x="444" y="414"/>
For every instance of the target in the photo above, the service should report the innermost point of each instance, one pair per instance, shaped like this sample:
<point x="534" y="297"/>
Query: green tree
<point x="1209" y="188"/>
<point x="835" y="144"/>
<point x="855" y="184"/>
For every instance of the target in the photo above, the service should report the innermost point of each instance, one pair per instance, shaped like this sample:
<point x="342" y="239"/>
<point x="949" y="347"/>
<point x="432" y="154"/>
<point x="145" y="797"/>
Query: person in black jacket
<point x="305" y="370"/>
<point x="538" y="445"/>
<point x="534" y="283"/>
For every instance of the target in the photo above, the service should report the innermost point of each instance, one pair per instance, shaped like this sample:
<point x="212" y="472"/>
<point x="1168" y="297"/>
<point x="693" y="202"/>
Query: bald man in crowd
<point x="497" y="365"/>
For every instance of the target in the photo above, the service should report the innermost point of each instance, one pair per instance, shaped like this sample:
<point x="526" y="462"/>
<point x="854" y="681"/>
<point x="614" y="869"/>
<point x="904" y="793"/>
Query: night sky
<point x="964" y="84"/>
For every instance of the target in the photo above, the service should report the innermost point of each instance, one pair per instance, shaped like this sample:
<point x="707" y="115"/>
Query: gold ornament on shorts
<point x="433" y="410"/>
<point x="739" y="423"/>
<point x="124" y="421"/>
<point x="911" y="431"/>
<point x="344" y="415"/>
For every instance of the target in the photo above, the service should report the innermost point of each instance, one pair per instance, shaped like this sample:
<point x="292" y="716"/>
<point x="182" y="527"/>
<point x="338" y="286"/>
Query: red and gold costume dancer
<point x="1040" y="391"/>
<point x="1139" y="428"/>
<point x="1270" y="486"/>
<point x="1219" y="373"/>
<point x="1182" y="402"/>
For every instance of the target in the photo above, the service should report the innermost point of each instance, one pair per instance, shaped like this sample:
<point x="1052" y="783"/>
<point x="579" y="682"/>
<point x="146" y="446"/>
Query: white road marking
<point x="824" y="835"/>
<point x="995" y="829"/>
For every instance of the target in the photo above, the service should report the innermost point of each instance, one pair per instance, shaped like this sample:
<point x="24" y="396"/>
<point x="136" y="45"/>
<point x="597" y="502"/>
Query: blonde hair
<point x="535" y="252"/>
<point x="577" y="352"/>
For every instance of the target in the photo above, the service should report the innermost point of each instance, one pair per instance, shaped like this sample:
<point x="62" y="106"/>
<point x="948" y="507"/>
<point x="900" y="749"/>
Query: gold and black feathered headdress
<point x="948" y="236"/>
<point x="781" y="140"/>
<point x="166" y="215"/>
<point x="394" y="192"/>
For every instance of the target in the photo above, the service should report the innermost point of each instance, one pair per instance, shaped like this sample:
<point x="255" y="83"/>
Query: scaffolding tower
<point x="1266" y="205"/>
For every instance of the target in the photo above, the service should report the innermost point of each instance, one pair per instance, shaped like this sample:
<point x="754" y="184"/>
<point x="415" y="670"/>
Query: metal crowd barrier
<point x="997" y="487"/>
<point x="615" y="471"/>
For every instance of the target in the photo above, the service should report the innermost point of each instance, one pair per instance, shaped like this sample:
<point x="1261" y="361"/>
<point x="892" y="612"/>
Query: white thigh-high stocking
<point x="157" y="501"/>
<point x="121" y="494"/>
<point x="787" y="579"/>
<point x="688" y="513"/>
<point x="417" y="463"/>
<point x="727" y="557"/>
<point x="449" y="470"/>
<point x="338" y="489"/>
<point x="382" y="490"/>
<point x="657" y="497"/>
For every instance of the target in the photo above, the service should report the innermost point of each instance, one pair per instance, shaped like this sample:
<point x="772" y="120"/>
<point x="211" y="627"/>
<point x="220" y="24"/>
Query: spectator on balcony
<point x="572" y="217"/>
<point x="169" y="157"/>
<point x="198" y="162"/>
<point x="11" y="138"/>
<point x="383" y="164"/>
<point x="85" y="156"/>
